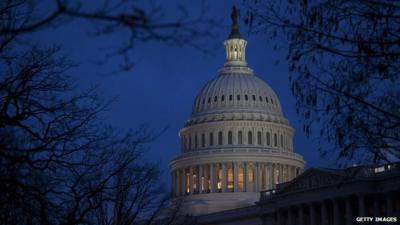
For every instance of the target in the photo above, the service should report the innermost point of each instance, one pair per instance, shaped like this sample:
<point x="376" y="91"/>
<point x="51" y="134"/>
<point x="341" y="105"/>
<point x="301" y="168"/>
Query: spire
<point x="235" y="33"/>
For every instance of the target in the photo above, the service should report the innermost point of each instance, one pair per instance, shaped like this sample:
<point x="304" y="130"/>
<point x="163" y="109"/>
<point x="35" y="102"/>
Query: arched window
<point x="260" y="99"/>
<point x="272" y="101"/>
<point x="254" y="97"/>
<point x="275" y="140"/>
<point x="266" y="99"/>
<point x="268" y="139"/>
<point x="195" y="141"/>
<point x="204" y="101"/>
<point x="211" y="139"/>
<point x="240" y="137"/>
<point x="190" y="142"/>
<point x="238" y="97"/>
<point x="222" y="98"/>
<point x="246" y="97"/>
<point x="215" y="98"/>
<point x="184" y="142"/>
<point x="230" y="97"/>
<point x="259" y="137"/>
<point x="209" y="100"/>
<point x="250" y="138"/>
<point x="230" y="137"/>
<point x="203" y="140"/>
<point x="281" y="140"/>
<point x="220" y="138"/>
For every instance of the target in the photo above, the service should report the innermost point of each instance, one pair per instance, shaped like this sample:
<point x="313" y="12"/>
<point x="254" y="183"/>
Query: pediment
<point x="312" y="178"/>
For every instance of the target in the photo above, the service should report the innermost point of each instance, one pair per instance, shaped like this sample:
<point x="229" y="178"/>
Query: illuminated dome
<point x="236" y="141"/>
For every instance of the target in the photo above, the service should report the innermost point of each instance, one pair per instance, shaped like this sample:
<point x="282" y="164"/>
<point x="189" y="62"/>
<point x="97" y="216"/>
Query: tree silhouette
<point x="344" y="63"/>
<point x="59" y="164"/>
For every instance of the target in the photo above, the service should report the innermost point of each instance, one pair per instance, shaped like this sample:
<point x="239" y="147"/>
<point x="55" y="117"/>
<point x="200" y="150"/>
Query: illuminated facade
<point x="236" y="142"/>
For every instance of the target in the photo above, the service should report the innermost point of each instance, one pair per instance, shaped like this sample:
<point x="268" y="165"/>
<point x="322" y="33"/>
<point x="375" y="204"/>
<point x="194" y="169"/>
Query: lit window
<point x="251" y="175"/>
<point x="230" y="178"/>
<point x="241" y="179"/>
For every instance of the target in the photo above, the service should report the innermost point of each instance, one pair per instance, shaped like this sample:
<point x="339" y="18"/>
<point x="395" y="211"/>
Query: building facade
<point x="236" y="142"/>
<point x="356" y="195"/>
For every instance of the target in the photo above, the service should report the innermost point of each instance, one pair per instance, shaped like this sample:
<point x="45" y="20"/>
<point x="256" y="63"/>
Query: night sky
<point x="161" y="88"/>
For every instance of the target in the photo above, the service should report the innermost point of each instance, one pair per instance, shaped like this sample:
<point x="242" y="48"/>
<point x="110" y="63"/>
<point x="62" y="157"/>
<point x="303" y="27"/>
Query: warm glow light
<point x="230" y="178"/>
<point x="251" y="175"/>
<point x="240" y="179"/>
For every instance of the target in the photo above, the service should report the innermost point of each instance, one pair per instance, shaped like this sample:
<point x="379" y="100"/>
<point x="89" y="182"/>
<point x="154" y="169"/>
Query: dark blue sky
<point x="160" y="89"/>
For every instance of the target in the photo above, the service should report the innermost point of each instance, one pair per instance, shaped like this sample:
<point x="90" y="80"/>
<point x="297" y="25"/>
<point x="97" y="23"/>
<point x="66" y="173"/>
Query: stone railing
<point x="265" y="195"/>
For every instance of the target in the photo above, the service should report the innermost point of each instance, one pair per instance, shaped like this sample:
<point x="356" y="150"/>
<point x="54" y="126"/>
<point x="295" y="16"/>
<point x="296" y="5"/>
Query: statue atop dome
<point x="235" y="33"/>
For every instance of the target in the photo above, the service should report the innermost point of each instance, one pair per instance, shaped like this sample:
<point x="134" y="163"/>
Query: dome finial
<point x="235" y="33"/>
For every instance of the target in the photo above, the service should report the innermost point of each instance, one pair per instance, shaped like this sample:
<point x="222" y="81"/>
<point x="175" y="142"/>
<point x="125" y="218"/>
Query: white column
<point x="245" y="176"/>
<point x="389" y="204"/>
<point x="200" y="181"/>
<point x="290" y="216"/>
<point x="376" y="206"/>
<point x="272" y="176"/>
<point x="223" y="177"/>
<point x="313" y="216"/>
<point x="361" y="206"/>
<point x="300" y="215"/>
<point x="206" y="172"/>
<point x="191" y="180"/>
<point x="259" y="177"/>
<point x="235" y="177"/>
<point x="349" y="211"/>
<point x="183" y="181"/>
<point x="336" y="212"/>
<point x="266" y="175"/>
<point x="324" y="213"/>
<point x="212" y="179"/>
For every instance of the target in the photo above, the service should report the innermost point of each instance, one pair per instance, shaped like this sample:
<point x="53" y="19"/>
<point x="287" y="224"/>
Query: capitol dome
<point x="236" y="142"/>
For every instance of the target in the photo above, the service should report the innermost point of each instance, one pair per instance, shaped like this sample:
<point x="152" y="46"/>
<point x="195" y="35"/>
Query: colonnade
<point x="335" y="211"/>
<point x="230" y="177"/>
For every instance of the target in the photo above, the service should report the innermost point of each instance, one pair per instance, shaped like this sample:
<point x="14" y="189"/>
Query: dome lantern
<point x="235" y="45"/>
